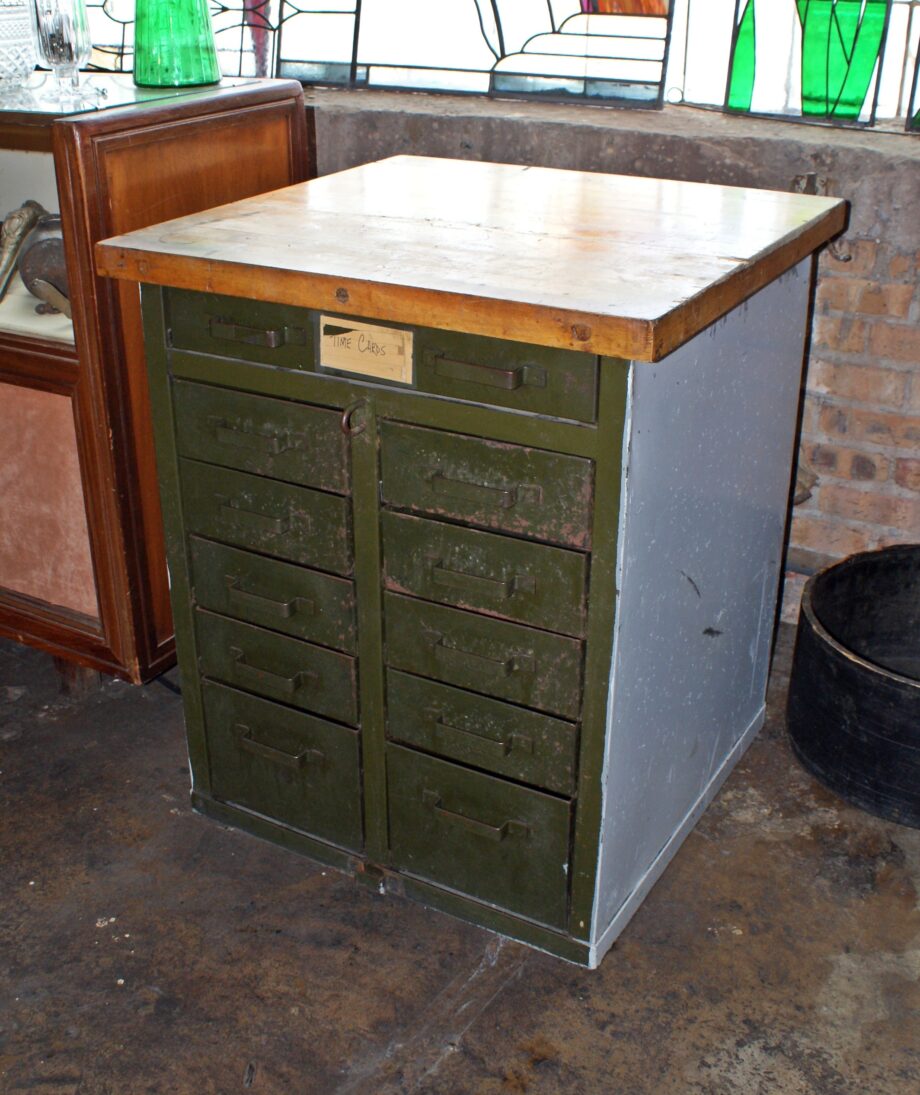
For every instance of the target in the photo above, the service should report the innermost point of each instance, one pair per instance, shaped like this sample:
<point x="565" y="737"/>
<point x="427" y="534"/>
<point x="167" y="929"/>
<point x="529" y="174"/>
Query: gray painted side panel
<point x="708" y="472"/>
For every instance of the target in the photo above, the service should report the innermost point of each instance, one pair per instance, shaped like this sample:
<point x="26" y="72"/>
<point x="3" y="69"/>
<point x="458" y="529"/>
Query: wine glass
<point x="62" y="34"/>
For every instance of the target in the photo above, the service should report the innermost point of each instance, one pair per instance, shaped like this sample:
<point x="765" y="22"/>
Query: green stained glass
<point x="841" y="41"/>
<point x="741" y="82"/>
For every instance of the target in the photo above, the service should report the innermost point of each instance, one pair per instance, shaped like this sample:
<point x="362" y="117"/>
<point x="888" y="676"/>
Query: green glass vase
<point x="174" y="44"/>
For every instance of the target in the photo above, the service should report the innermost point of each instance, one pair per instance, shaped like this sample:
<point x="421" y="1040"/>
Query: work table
<point x="472" y="598"/>
<point x="648" y="262"/>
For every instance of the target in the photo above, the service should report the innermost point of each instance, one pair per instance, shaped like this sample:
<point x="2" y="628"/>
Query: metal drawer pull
<point x="516" y="743"/>
<point x="472" y="492"/>
<point x="274" y="526"/>
<point x="253" y="675"/>
<point x="272" y="337"/>
<point x="277" y="756"/>
<point x="476" y="583"/>
<point x="491" y="832"/>
<point x="531" y="376"/>
<point x="272" y="444"/>
<point x="354" y="421"/>
<point x="283" y="609"/>
<point x="515" y="663"/>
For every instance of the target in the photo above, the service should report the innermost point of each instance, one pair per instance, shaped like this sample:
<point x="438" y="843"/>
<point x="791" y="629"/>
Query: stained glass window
<point x="913" y="105"/>
<point x="843" y="61"/>
<point x="602" y="49"/>
<point x="834" y="48"/>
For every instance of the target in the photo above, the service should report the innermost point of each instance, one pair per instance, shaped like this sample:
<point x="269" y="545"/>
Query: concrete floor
<point x="146" y="949"/>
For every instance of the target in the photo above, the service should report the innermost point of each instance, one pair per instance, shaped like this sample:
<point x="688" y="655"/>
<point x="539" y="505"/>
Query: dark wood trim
<point x="38" y="363"/>
<point x="30" y="133"/>
<point x="105" y="374"/>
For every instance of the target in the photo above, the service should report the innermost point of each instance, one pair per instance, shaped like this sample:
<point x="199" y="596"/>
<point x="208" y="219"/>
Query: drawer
<point x="561" y="383"/>
<point x="286" y="765"/>
<point x="291" y="441"/>
<point x="294" y="523"/>
<point x="484" y="733"/>
<point x="299" y="602"/>
<point x="496" y="841"/>
<point x="249" y="330"/>
<point x="509" y="488"/>
<point x="531" y="583"/>
<point x="500" y="659"/>
<point x="296" y="673"/>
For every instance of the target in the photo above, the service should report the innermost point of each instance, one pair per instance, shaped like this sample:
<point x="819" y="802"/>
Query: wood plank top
<point x="611" y="264"/>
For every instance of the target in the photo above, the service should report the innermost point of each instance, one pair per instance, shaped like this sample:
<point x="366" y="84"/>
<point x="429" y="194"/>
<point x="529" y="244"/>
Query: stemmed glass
<point x="62" y="34"/>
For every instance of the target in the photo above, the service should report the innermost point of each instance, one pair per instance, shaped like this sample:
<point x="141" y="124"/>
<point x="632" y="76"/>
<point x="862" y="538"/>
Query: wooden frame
<point x="118" y="170"/>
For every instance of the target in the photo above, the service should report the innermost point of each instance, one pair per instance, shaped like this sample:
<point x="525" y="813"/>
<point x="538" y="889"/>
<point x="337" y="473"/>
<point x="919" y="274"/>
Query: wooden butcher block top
<point x="610" y="264"/>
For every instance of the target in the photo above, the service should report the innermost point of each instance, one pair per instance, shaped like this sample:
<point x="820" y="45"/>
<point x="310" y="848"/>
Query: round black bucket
<point x="854" y="695"/>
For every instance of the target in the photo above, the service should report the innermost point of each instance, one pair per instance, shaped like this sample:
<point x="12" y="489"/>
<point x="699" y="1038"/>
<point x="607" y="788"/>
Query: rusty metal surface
<point x="146" y="949"/>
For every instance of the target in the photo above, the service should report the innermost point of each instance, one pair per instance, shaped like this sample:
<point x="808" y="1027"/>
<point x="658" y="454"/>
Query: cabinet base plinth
<point x="394" y="883"/>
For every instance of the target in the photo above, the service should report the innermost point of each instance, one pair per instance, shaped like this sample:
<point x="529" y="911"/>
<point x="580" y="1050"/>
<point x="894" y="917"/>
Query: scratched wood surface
<point x="612" y="264"/>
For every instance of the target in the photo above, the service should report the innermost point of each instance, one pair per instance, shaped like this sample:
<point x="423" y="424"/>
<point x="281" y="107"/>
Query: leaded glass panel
<point x="815" y="58"/>
<point x="913" y="113"/>
<point x="603" y="49"/>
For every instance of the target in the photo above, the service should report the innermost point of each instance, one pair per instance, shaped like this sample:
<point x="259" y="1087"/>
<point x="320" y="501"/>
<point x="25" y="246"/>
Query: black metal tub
<point x="854" y="695"/>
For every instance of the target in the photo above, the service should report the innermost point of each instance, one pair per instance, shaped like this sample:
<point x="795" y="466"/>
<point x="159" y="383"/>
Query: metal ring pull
<point x="349" y="427"/>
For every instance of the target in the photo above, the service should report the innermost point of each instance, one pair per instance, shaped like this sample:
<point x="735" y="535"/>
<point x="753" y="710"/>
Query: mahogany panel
<point x="43" y="502"/>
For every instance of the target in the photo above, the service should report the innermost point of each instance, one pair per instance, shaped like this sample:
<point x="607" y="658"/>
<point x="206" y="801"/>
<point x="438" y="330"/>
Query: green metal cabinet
<point x="385" y="595"/>
<point x="475" y="517"/>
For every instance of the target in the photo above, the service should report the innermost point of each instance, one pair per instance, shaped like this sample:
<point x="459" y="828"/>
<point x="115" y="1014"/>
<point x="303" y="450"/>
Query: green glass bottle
<point x="174" y="44"/>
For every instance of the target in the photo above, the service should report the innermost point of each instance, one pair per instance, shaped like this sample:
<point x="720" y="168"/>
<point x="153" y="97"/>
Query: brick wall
<point x="861" y="419"/>
<point x="861" y="424"/>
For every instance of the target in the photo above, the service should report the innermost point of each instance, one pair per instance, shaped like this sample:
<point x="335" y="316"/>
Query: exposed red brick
<point x="839" y="462"/>
<point x="898" y="342"/>
<point x="829" y="535"/>
<point x="822" y="457"/>
<point x="885" y="300"/>
<point x="810" y="416"/>
<point x="861" y="383"/>
<point x="907" y="473"/>
<point x="843" y="334"/>
<point x="862" y="255"/>
<point x="900" y="266"/>
<point x="835" y="294"/>
<point x="865" y="468"/>
<point x="834" y="421"/>
<point x="856" y="424"/>
<point x="871" y="507"/>
<point x="873" y="298"/>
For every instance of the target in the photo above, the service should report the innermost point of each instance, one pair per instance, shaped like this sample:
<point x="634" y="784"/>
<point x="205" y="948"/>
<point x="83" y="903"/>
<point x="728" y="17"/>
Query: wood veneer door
<point x="120" y="170"/>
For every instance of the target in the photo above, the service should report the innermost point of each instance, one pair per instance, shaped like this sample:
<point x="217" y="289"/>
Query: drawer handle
<point x="531" y="376"/>
<point x="354" y="419"/>
<point x="256" y="677"/>
<point x="476" y="583"/>
<point x="282" y="609"/>
<point x="277" y="756"/>
<point x="514" y="663"/>
<point x="274" y="526"/>
<point x="514" y="743"/>
<point x="272" y="337"/>
<point x="432" y="800"/>
<point x="272" y="444"/>
<point x="504" y="497"/>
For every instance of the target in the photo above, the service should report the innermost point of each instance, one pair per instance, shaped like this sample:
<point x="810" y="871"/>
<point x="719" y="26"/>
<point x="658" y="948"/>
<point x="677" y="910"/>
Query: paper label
<point x="366" y="349"/>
